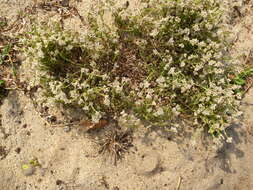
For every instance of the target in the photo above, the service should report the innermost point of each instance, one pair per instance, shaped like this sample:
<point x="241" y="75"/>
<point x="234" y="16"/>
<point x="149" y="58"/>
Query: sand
<point x="69" y="158"/>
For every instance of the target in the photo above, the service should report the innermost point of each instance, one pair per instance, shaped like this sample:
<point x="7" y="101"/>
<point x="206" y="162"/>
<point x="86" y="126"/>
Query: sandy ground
<point x="69" y="159"/>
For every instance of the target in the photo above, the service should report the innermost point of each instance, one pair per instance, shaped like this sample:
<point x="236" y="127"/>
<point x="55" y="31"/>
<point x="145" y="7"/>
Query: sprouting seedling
<point x="28" y="168"/>
<point x="5" y="52"/>
<point x="34" y="162"/>
<point x="241" y="78"/>
<point x="3" y="22"/>
<point x="25" y="166"/>
<point x="2" y="82"/>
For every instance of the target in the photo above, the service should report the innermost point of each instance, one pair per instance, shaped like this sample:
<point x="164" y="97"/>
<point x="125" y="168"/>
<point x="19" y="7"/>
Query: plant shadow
<point x="220" y="156"/>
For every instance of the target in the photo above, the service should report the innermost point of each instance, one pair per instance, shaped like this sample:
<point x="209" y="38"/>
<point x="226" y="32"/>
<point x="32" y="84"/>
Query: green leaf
<point x="5" y="52"/>
<point x="2" y="82"/>
<point x="239" y="81"/>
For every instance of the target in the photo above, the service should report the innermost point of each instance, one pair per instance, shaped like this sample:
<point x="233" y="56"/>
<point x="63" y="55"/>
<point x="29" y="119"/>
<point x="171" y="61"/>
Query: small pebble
<point x="28" y="169"/>
<point x="59" y="182"/>
<point x="18" y="150"/>
<point x="66" y="129"/>
<point x="51" y="118"/>
<point x="65" y="3"/>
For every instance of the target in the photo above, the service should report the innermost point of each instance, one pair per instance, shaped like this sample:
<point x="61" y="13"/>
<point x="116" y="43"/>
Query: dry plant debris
<point x="116" y="144"/>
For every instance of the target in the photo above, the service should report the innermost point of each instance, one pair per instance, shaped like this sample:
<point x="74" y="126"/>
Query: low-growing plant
<point x="3" y="23"/>
<point x="241" y="79"/>
<point x="8" y="54"/>
<point x="4" y="53"/>
<point x="161" y="63"/>
<point x="115" y="145"/>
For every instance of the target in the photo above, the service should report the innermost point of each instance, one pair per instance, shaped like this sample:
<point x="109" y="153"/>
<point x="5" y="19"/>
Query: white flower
<point x="177" y="19"/>
<point x="84" y="70"/>
<point x="61" y="42"/>
<point x="229" y="140"/>
<point x="85" y="108"/>
<point x="209" y="26"/>
<point x="73" y="94"/>
<point x="138" y="102"/>
<point x="96" y="117"/>
<point x="181" y="45"/>
<point x="117" y="86"/>
<point x="171" y="41"/>
<point x="172" y="70"/>
<point x="202" y="44"/>
<point x="174" y="129"/>
<point x="196" y="28"/>
<point x="182" y="64"/>
<point x="160" y="80"/>
<point x="61" y="96"/>
<point x="80" y="101"/>
<point x="149" y="110"/>
<point x="148" y="96"/>
<point x="106" y="100"/>
<point x="213" y="106"/>
<point x="206" y="112"/>
<point x="146" y="84"/>
<point x="105" y="76"/>
<point x="117" y="52"/>
<point x="69" y="47"/>
<point x="204" y="14"/>
<point x="40" y="54"/>
<point x="194" y="41"/>
<point x="175" y="110"/>
<point x="155" y="52"/>
<point x="150" y="91"/>
<point x="159" y="112"/>
<point x="154" y="32"/>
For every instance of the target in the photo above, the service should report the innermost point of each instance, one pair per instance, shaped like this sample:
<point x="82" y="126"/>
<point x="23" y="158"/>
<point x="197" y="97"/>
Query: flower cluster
<point x="159" y="63"/>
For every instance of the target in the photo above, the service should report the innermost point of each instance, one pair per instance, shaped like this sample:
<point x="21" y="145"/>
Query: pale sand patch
<point x="69" y="159"/>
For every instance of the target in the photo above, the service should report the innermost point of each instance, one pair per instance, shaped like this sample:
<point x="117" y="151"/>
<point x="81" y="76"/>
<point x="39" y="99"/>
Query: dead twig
<point x="248" y="87"/>
<point x="179" y="182"/>
<point x="247" y="58"/>
<point x="63" y="9"/>
<point x="116" y="144"/>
